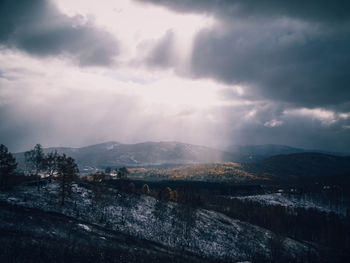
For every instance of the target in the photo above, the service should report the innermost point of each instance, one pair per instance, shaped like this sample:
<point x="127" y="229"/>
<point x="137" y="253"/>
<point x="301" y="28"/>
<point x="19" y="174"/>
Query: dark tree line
<point x="101" y="182"/>
<point x="329" y="232"/>
<point x="183" y="215"/>
<point x="54" y="165"/>
<point x="62" y="167"/>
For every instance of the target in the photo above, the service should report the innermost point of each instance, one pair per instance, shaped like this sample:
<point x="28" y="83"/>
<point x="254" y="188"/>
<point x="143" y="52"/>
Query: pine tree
<point x="50" y="163"/>
<point x="108" y="170"/>
<point x="8" y="165"/>
<point x="145" y="189"/>
<point x="122" y="173"/>
<point x="123" y="181"/>
<point x="35" y="159"/>
<point x="166" y="194"/>
<point x="97" y="186"/>
<point x="66" y="171"/>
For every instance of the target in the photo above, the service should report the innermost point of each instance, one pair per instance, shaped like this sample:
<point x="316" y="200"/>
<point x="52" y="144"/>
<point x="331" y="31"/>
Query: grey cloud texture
<point x="280" y="61"/>
<point x="38" y="28"/>
<point x="291" y="51"/>
<point x="276" y="123"/>
<point x="313" y="10"/>
<point x="290" y="60"/>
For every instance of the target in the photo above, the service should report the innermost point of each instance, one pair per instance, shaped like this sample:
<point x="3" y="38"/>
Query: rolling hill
<point x="175" y="160"/>
<point x="216" y="172"/>
<point x="130" y="228"/>
<point x="254" y="153"/>
<point x="302" y="166"/>
<point x="115" y="154"/>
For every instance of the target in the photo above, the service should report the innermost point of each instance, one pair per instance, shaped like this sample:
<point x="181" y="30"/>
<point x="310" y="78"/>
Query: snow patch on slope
<point x="209" y="233"/>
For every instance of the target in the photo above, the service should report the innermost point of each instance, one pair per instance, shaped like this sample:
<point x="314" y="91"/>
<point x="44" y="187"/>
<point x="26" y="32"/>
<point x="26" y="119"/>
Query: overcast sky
<point x="209" y="72"/>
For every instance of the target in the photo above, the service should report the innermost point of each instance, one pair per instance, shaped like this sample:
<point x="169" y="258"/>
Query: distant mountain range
<point x="302" y="168"/>
<point x="259" y="159"/>
<point x="254" y="153"/>
<point x="115" y="154"/>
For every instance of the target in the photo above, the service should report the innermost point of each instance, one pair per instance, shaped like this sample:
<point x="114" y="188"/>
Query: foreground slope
<point x="206" y="233"/>
<point x="34" y="235"/>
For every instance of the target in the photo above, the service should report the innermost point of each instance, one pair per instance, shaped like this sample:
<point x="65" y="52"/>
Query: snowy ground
<point x="200" y="231"/>
<point x="294" y="201"/>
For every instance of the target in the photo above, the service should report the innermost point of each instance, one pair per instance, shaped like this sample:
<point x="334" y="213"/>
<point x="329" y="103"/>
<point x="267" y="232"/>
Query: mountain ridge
<point x="166" y="153"/>
<point x="116" y="154"/>
<point x="303" y="167"/>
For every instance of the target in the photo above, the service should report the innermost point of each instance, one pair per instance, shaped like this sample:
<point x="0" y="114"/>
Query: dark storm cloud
<point x="301" y="66"/>
<point x="314" y="10"/>
<point x="291" y="51"/>
<point x="290" y="59"/>
<point x="38" y="28"/>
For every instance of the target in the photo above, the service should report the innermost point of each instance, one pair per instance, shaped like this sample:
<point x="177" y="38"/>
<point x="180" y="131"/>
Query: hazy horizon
<point x="213" y="73"/>
<point x="229" y="148"/>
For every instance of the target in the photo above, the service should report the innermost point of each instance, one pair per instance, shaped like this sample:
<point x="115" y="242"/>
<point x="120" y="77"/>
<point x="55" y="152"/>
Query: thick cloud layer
<point x="313" y="10"/>
<point x="38" y="28"/>
<point x="292" y="51"/>
<point x="280" y="60"/>
<point x="291" y="61"/>
<point x="240" y="72"/>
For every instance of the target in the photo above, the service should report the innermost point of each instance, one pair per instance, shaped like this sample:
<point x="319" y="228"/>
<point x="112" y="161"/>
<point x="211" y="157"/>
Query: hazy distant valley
<point x="174" y="160"/>
<point x="163" y="154"/>
<point x="157" y="201"/>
